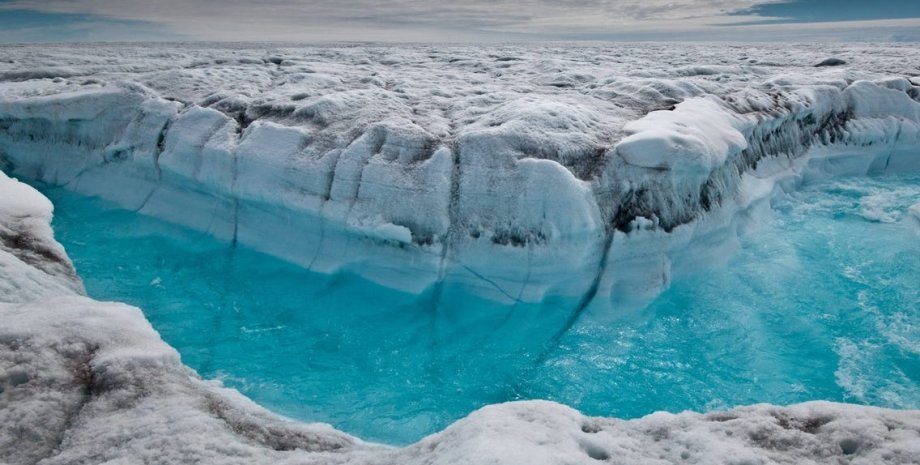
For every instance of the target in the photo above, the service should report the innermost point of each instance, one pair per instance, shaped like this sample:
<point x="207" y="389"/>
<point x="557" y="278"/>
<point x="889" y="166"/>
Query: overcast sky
<point x="454" y="20"/>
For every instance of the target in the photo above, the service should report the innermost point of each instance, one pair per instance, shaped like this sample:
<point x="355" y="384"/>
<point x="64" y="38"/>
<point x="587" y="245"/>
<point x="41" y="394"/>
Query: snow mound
<point x="28" y="252"/>
<point x="816" y="432"/>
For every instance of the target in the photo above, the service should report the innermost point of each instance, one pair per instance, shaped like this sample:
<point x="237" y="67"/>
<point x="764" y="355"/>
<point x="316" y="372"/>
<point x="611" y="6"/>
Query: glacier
<point x="591" y="171"/>
<point x="416" y="166"/>
<point x="88" y="382"/>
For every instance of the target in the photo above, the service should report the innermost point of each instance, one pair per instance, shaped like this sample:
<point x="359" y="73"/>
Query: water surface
<point x="822" y="302"/>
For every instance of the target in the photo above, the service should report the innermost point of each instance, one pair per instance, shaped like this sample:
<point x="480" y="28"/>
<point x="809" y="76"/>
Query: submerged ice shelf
<point x="818" y="304"/>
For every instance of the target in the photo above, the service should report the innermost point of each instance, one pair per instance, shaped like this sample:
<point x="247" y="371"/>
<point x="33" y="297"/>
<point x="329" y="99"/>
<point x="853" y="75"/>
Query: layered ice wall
<point x="520" y="171"/>
<point x="87" y="382"/>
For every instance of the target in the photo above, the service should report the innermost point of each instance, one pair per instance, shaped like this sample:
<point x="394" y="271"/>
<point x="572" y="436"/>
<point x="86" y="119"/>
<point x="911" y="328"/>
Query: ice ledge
<point x="87" y="382"/>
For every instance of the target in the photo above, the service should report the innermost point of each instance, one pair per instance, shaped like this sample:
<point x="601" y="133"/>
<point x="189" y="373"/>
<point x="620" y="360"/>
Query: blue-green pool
<point x="822" y="302"/>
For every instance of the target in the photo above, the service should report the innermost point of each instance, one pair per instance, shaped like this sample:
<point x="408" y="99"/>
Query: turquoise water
<point x="822" y="302"/>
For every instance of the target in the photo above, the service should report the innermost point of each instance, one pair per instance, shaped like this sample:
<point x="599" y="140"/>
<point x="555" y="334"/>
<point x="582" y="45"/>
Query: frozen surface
<point x="421" y="168"/>
<point x="416" y="166"/>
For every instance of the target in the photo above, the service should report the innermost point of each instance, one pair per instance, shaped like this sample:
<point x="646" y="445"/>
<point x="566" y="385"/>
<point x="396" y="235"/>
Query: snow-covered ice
<point x="28" y="250"/>
<point x="523" y="171"/>
<point x="412" y="165"/>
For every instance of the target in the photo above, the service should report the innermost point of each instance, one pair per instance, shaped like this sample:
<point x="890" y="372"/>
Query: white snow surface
<point x="88" y="382"/>
<point x="413" y="165"/>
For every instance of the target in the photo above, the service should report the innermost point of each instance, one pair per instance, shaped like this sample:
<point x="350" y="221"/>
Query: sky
<point x="456" y="20"/>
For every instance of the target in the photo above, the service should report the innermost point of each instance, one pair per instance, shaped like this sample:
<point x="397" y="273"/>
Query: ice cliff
<point x="521" y="171"/>
<point x="88" y="382"/>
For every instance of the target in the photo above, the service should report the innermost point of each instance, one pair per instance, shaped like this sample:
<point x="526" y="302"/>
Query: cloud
<point x="424" y="20"/>
<point x="368" y="20"/>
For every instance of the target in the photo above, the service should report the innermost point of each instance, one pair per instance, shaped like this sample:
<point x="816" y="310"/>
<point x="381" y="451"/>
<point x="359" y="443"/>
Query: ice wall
<point x="528" y="196"/>
<point x="685" y="182"/>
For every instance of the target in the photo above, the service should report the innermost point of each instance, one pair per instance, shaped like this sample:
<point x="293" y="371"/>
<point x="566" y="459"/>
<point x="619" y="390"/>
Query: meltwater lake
<point x="821" y="302"/>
